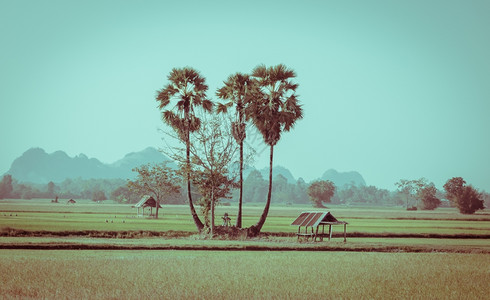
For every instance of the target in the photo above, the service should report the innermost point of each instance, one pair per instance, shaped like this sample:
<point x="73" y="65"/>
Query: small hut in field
<point x="71" y="201"/>
<point x="311" y="222"/>
<point x="146" y="201"/>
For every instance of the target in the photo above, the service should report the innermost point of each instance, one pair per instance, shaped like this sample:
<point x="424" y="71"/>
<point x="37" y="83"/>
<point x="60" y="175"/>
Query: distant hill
<point x="37" y="166"/>
<point x="278" y="170"/>
<point x="344" y="179"/>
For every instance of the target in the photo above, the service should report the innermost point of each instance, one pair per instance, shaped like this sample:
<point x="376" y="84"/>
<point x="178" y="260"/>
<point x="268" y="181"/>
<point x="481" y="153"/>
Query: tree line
<point x="255" y="191"/>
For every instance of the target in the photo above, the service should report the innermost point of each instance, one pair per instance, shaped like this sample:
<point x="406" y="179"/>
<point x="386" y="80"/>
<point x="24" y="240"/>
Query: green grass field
<point x="242" y="275"/>
<point x="376" y="262"/>
<point x="85" y="215"/>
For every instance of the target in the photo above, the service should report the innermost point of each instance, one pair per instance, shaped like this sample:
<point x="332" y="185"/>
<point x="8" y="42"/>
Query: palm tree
<point x="275" y="110"/>
<point x="236" y="89"/>
<point x="186" y="90"/>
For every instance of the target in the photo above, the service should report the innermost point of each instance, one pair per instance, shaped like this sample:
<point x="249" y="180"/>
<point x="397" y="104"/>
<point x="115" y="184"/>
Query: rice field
<point x="375" y="267"/>
<point x="85" y="215"/>
<point x="242" y="275"/>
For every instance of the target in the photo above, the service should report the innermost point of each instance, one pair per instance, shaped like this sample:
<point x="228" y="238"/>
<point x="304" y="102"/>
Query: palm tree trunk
<point x="240" y="200"/>
<point x="255" y="229"/>
<point x="212" y="211"/>
<point x="195" y="217"/>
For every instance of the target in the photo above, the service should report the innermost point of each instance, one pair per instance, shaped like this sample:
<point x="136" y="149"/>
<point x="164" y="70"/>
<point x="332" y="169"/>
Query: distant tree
<point x="321" y="191"/>
<point x="486" y="199"/>
<point x="428" y="197"/>
<point x="255" y="187"/>
<point x="6" y="187"/>
<point x="408" y="188"/>
<point x="465" y="197"/>
<point x="123" y="195"/>
<point x="420" y="191"/>
<point x="51" y="189"/>
<point x="178" y="100"/>
<point x="274" y="109"/>
<point x="158" y="181"/>
<point x="98" y="195"/>
<point x="301" y="191"/>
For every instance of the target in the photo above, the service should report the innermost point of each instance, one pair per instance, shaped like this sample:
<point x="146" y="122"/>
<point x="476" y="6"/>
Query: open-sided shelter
<point x="146" y="201"/>
<point x="311" y="222"/>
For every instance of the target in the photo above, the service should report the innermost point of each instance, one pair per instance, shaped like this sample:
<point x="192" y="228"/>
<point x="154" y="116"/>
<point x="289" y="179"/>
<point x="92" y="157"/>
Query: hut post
<point x="329" y="231"/>
<point x="345" y="232"/>
<point x="323" y="232"/>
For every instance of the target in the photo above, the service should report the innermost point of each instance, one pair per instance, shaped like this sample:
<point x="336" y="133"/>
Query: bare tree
<point x="158" y="181"/>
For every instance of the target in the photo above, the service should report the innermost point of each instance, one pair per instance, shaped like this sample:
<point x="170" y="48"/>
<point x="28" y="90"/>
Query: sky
<point x="390" y="89"/>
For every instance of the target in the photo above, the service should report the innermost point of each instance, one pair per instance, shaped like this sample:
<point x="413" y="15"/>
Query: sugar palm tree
<point x="185" y="91"/>
<point x="273" y="111"/>
<point x="236" y="89"/>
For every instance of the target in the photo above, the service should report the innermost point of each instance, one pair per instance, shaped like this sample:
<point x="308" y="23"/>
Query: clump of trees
<point x="6" y="187"/>
<point x="266" y="98"/>
<point x="419" y="193"/>
<point x="466" y="198"/>
<point x="321" y="191"/>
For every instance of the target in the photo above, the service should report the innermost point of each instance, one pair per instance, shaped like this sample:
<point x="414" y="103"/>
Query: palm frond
<point x="207" y="105"/>
<point x="222" y="108"/>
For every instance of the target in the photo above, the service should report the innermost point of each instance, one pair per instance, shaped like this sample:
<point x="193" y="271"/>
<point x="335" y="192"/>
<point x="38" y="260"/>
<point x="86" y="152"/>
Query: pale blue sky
<point x="391" y="89"/>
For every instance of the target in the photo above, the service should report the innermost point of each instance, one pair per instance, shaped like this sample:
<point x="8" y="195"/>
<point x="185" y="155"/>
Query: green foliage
<point x="98" y="196"/>
<point x="419" y="191"/>
<point x="321" y="191"/>
<point x="465" y="197"/>
<point x="428" y="198"/>
<point x="51" y="190"/>
<point x="365" y="195"/>
<point x="6" y="187"/>
<point x="124" y="195"/>
<point x="255" y="189"/>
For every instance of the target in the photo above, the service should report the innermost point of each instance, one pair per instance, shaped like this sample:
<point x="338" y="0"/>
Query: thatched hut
<point x="311" y="221"/>
<point x="146" y="201"/>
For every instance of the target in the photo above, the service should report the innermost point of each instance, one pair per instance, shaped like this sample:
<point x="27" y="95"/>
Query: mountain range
<point x="37" y="166"/>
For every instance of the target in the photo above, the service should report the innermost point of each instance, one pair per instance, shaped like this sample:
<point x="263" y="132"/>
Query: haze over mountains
<point x="37" y="166"/>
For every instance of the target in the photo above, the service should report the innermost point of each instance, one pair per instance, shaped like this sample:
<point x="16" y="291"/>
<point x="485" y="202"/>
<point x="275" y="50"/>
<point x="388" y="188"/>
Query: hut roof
<point x="315" y="218"/>
<point x="147" y="201"/>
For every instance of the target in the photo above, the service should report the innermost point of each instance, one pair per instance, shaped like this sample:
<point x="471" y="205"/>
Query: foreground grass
<point x="241" y="275"/>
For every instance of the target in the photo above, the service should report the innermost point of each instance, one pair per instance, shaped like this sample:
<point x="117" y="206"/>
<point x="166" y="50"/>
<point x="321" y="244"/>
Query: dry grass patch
<point x="241" y="275"/>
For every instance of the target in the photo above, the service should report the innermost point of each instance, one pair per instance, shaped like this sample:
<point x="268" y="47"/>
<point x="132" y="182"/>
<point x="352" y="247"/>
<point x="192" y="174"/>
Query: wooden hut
<point x="312" y="221"/>
<point x="146" y="201"/>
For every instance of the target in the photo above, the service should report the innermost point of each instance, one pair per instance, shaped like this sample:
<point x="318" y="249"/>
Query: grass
<point x="130" y="262"/>
<point x="35" y="215"/>
<point x="242" y="275"/>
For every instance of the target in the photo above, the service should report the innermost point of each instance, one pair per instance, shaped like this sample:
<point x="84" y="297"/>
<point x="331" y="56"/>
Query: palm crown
<point x="238" y="89"/>
<point x="276" y="107"/>
<point x="188" y="89"/>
